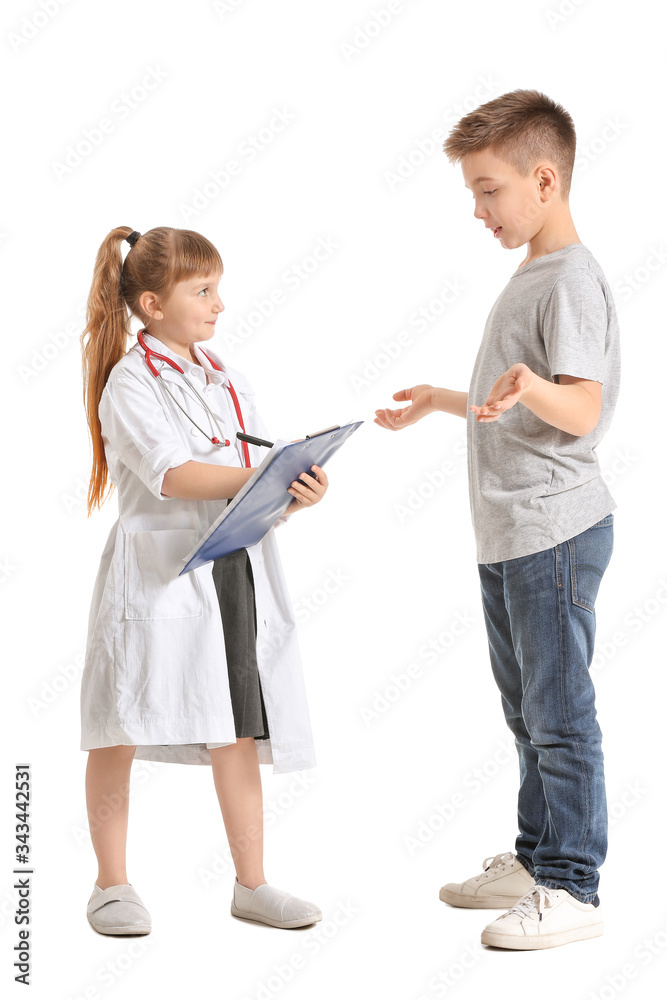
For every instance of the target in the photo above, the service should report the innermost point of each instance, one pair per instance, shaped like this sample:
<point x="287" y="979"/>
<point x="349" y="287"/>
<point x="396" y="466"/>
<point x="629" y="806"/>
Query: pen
<point x="254" y="440"/>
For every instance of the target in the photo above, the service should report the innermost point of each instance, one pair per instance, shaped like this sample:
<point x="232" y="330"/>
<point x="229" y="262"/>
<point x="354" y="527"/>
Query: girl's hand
<point x="307" y="490"/>
<point x="506" y="391"/>
<point x="421" y="404"/>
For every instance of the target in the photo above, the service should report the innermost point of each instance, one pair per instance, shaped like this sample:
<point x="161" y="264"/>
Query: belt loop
<point x="557" y="559"/>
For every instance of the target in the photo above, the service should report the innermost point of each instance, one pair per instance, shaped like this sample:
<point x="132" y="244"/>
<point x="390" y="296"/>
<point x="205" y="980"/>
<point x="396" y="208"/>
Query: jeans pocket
<point x="590" y="553"/>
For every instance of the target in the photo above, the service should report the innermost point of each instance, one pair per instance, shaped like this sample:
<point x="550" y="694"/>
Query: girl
<point x="196" y="669"/>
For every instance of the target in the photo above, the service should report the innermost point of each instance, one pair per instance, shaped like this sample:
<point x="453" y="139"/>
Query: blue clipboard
<point x="254" y="509"/>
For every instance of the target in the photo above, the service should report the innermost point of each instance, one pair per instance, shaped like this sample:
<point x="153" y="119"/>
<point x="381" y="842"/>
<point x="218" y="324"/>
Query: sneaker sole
<point x="299" y="922"/>
<point x="141" y="929"/>
<point x="532" y="943"/>
<point x="478" y="902"/>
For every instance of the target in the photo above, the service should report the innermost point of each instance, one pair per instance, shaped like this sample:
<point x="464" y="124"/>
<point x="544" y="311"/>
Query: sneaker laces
<point x="500" y="859"/>
<point x="535" y="901"/>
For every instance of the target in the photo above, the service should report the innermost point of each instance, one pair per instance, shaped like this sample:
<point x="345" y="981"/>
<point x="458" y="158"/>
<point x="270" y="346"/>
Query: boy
<point x="548" y="372"/>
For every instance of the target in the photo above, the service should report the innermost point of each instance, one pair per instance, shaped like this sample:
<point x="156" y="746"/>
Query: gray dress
<point x="234" y="584"/>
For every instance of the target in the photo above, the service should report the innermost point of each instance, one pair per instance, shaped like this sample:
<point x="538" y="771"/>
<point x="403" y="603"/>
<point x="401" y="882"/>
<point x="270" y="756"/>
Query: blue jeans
<point x="539" y="612"/>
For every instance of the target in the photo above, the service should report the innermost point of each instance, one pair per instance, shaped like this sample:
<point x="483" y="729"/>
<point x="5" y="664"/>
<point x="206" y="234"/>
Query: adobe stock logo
<point x="219" y="180"/>
<point x="632" y="622"/>
<point x="367" y="32"/>
<point x="120" y="110"/>
<point x="650" y="948"/>
<point x="588" y="153"/>
<point x="32" y="24"/>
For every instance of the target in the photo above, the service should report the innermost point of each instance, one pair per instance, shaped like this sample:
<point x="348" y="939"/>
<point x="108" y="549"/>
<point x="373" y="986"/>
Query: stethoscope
<point x="219" y="442"/>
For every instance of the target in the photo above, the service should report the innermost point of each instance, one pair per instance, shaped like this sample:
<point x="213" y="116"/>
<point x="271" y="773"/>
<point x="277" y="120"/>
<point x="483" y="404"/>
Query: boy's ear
<point x="547" y="179"/>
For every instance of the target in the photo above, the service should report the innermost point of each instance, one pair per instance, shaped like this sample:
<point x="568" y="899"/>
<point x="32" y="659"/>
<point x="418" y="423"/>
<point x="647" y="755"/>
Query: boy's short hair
<point x="521" y="127"/>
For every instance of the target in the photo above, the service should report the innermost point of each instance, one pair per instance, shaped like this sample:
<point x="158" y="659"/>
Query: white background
<point x="363" y="99"/>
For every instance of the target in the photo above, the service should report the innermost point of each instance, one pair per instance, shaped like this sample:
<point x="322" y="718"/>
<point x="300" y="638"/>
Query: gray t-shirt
<point x="533" y="486"/>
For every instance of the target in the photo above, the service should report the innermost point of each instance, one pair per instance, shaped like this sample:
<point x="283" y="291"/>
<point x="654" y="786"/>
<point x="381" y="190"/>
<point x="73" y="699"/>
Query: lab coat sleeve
<point x="139" y="430"/>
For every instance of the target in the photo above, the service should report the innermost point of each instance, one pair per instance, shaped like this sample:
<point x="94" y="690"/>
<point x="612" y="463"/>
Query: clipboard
<point x="256" y="506"/>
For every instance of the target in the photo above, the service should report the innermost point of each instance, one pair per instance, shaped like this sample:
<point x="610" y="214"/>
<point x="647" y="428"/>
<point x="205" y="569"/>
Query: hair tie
<point x="133" y="237"/>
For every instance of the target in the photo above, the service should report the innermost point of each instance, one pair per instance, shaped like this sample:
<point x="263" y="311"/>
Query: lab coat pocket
<point x="247" y="402"/>
<point x="153" y="588"/>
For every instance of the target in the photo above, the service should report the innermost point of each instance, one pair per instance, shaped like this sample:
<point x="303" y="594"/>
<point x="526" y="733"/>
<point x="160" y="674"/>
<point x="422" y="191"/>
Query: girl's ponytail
<point x="107" y="330"/>
<point x="155" y="262"/>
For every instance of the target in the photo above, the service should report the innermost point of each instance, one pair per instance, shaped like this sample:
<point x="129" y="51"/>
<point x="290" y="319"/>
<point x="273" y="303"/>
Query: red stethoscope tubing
<point x="162" y="357"/>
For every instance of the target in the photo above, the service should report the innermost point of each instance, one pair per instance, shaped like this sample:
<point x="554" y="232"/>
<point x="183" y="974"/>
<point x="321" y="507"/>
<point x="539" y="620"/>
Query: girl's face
<point x="189" y="313"/>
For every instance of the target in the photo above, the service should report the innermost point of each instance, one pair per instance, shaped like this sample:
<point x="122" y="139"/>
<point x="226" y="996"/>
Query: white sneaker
<point x="544" y="918"/>
<point x="118" y="909"/>
<point x="503" y="881"/>
<point x="273" y="906"/>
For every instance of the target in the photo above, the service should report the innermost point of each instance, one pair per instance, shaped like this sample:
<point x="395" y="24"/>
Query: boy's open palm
<point x="505" y="392"/>
<point x="420" y="404"/>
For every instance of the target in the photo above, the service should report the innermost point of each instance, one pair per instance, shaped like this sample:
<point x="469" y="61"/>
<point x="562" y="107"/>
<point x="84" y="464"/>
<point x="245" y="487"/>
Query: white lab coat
<point x="155" y="671"/>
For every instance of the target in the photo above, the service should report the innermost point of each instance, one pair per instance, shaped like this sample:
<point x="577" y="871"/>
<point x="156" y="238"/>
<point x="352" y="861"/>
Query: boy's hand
<point x="307" y="491"/>
<point x="421" y="404"/>
<point x="506" y="391"/>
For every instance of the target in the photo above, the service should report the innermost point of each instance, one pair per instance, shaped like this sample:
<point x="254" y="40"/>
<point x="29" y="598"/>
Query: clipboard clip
<point x="334" y="427"/>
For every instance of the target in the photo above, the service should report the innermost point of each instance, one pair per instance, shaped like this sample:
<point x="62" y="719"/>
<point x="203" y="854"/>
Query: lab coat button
<point x="194" y="431"/>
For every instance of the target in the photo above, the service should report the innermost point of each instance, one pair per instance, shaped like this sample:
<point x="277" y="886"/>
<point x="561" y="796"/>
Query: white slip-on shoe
<point x="503" y="881"/>
<point x="118" y="909"/>
<point x="273" y="906"/>
<point x="544" y="918"/>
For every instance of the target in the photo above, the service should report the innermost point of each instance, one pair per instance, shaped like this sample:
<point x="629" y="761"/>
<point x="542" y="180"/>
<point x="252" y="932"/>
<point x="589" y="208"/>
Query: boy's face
<point x="511" y="206"/>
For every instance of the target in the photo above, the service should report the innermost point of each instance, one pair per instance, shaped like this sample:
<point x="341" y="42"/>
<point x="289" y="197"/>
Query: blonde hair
<point x="521" y="127"/>
<point x="158" y="260"/>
